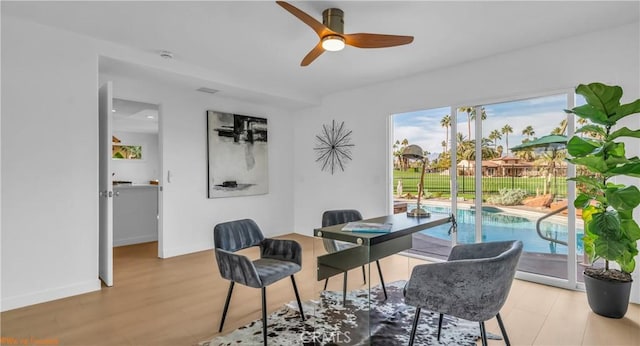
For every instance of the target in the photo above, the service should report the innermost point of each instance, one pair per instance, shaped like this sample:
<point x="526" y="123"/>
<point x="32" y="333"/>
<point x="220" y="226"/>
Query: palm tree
<point x="528" y="131"/>
<point x="471" y="115"/>
<point x="468" y="150"/>
<point x="499" y="150"/>
<point x="468" y="110"/>
<point x="582" y="122"/>
<point x="506" y="130"/>
<point x="446" y="123"/>
<point x="397" y="152"/>
<point x="494" y="136"/>
<point x="487" y="151"/>
<point x="463" y="146"/>
<point x="526" y="154"/>
<point x="398" y="148"/>
<point x="483" y="113"/>
<point x="560" y="130"/>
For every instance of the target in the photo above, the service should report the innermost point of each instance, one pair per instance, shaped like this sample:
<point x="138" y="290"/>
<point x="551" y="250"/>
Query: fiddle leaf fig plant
<point x="610" y="232"/>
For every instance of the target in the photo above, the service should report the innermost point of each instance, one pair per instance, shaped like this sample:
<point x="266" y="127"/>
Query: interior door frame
<point x="105" y="184"/>
<point x="161" y="180"/>
<point x="161" y="175"/>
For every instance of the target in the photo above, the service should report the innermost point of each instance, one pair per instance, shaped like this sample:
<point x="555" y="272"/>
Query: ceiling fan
<point x="332" y="36"/>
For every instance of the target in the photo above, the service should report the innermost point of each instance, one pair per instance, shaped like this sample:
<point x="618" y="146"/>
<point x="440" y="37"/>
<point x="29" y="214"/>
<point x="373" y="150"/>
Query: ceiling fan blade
<point x="318" y="27"/>
<point x="376" y="40"/>
<point x="312" y="55"/>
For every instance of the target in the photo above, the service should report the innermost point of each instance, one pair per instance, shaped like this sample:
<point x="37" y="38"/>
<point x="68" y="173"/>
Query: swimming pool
<point x="499" y="225"/>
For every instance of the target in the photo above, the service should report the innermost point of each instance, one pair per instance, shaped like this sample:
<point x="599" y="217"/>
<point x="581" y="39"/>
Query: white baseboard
<point x="11" y="303"/>
<point x="135" y="240"/>
<point x="184" y="250"/>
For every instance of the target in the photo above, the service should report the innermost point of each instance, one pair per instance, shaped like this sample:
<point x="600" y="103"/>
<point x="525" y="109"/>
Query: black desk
<point x="372" y="246"/>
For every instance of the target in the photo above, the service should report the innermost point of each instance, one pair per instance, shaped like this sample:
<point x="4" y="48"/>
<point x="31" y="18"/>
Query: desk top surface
<point x="402" y="225"/>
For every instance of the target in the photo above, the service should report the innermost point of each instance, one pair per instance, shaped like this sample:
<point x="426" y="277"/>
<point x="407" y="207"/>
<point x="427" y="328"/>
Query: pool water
<point x="498" y="225"/>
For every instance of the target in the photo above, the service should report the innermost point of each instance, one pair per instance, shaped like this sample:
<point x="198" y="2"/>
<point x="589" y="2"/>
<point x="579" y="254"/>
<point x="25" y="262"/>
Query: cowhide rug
<point x="329" y="323"/>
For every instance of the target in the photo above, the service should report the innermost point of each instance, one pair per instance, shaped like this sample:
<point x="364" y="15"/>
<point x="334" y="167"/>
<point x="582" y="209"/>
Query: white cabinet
<point x="135" y="214"/>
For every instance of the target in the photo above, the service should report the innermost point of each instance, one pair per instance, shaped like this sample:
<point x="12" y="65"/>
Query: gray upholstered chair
<point x="278" y="259"/>
<point x="473" y="284"/>
<point x="336" y="217"/>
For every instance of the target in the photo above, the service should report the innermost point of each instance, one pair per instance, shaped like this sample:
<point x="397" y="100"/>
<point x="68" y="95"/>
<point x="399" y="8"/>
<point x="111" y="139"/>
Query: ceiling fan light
<point x="333" y="43"/>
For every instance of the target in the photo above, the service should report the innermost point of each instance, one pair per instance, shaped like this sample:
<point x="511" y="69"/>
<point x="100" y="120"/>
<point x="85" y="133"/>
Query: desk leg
<point x="384" y="289"/>
<point x="344" y="290"/>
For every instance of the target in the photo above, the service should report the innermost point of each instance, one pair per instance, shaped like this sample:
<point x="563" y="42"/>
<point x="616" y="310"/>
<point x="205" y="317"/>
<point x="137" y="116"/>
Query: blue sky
<point x="542" y="113"/>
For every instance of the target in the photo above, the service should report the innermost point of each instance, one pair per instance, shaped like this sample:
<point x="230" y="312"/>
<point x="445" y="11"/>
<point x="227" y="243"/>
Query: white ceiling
<point x="255" y="48"/>
<point x="134" y="116"/>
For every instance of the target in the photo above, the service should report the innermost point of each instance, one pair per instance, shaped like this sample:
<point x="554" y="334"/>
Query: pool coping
<point x="509" y="210"/>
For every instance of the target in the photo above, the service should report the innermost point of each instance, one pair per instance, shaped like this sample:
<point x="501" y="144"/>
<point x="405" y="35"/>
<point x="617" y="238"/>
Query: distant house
<point x="510" y="166"/>
<point x="506" y="166"/>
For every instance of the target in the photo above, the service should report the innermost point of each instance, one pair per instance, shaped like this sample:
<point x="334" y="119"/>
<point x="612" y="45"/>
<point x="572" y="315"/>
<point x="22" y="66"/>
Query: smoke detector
<point x="207" y="90"/>
<point x="166" y="54"/>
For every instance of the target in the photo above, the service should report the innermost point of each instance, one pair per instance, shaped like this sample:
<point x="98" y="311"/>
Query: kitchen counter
<point x="132" y="186"/>
<point x="135" y="214"/>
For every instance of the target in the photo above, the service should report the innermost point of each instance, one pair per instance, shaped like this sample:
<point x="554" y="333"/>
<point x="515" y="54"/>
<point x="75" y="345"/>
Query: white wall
<point x="138" y="171"/>
<point x="50" y="163"/>
<point x="610" y="56"/>
<point x="189" y="216"/>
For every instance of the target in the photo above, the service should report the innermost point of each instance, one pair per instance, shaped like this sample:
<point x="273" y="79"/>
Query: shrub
<point x="509" y="197"/>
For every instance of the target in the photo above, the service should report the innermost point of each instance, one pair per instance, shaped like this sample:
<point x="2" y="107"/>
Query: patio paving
<point x="554" y="265"/>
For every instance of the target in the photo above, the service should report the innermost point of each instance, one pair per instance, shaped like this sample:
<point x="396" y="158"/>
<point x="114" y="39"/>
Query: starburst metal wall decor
<point x="333" y="147"/>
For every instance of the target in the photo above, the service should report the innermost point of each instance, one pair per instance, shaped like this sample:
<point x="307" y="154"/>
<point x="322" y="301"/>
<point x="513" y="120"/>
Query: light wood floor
<point x="178" y="301"/>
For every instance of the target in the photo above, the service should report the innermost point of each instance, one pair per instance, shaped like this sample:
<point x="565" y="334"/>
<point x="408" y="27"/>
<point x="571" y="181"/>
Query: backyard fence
<point x="438" y="182"/>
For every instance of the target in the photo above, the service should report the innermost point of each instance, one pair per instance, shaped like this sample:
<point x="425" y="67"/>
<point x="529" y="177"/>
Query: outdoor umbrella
<point x="544" y="143"/>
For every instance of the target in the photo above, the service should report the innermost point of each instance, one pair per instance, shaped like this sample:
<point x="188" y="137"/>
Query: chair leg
<point x="416" y="317"/>
<point x="326" y="281"/>
<point x="503" y="330"/>
<point x="226" y="306"/>
<point x="295" y="289"/>
<point x="384" y="289"/>
<point x="344" y="290"/>
<point x="264" y="315"/>
<point x="364" y="275"/>
<point x="483" y="333"/>
<point x="440" y="325"/>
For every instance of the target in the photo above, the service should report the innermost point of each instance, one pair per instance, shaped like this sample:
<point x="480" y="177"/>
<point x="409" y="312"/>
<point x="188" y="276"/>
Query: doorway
<point x="130" y="174"/>
<point x="135" y="169"/>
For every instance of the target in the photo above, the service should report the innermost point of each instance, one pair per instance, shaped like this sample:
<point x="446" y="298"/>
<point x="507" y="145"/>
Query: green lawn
<point x="439" y="183"/>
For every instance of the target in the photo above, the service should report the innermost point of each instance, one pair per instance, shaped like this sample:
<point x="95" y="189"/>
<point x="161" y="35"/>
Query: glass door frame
<point x="571" y="281"/>
<point x="453" y="156"/>
<point x="572" y="266"/>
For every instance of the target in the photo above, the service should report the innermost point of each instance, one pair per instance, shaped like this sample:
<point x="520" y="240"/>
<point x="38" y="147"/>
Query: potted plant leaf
<point x="610" y="232"/>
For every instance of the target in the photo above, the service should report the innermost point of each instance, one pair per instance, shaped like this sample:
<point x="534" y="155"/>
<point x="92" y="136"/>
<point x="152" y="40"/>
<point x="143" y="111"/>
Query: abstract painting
<point x="126" y="152"/>
<point x="237" y="152"/>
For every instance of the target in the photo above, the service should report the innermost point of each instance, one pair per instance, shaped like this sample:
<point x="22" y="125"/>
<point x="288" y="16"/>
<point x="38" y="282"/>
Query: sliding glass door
<point x="500" y="168"/>
<point x="523" y="182"/>
<point x="430" y="130"/>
